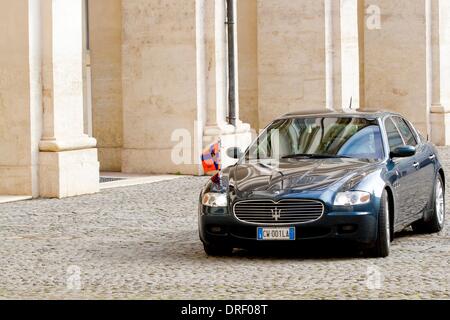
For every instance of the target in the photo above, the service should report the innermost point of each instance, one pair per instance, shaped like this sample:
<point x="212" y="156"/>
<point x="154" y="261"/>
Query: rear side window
<point x="394" y="137"/>
<point x="405" y="131"/>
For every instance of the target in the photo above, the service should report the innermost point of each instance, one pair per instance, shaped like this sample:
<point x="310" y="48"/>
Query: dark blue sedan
<point x="335" y="176"/>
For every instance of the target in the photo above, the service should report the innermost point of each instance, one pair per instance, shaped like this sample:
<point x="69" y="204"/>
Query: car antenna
<point x="351" y="103"/>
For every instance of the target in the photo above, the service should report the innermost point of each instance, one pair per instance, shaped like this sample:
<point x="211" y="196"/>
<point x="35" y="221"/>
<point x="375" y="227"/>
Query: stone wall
<point x="105" y="24"/>
<point x="395" y="60"/>
<point x="291" y="57"/>
<point x="15" y="117"/>
<point x="248" y="61"/>
<point x="159" y="82"/>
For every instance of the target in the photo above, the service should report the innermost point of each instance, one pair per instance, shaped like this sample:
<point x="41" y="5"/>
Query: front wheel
<point x="383" y="242"/>
<point x="437" y="220"/>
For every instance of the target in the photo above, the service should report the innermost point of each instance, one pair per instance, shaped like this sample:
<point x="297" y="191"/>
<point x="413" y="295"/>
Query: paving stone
<point x="141" y="242"/>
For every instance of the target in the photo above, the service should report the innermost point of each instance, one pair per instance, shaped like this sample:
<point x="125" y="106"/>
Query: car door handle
<point x="416" y="165"/>
<point x="432" y="157"/>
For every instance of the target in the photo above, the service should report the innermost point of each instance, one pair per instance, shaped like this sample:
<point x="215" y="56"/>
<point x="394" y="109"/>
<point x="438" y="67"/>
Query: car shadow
<point x="406" y="233"/>
<point x="409" y="233"/>
<point x="310" y="251"/>
<point x="185" y="247"/>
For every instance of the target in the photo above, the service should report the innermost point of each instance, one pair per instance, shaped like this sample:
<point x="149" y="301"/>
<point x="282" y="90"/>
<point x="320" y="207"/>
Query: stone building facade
<point x="130" y="86"/>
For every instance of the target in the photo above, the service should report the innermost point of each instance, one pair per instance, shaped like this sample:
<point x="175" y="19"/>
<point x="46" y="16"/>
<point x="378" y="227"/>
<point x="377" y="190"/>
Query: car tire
<point x="437" y="221"/>
<point x="217" y="251"/>
<point x="383" y="242"/>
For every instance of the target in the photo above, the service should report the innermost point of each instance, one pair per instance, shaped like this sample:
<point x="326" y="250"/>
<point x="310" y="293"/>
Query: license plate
<point x="276" y="234"/>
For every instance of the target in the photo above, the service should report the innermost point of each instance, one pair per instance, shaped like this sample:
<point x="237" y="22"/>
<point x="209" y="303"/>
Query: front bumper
<point x="360" y="227"/>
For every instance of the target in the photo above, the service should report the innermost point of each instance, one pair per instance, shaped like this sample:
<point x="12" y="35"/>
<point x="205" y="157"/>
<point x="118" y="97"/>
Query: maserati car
<point x="358" y="177"/>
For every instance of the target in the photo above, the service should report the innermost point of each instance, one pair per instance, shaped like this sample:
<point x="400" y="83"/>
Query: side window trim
<point x="408" y="126"/>
<point x="384" y="136"/>
<point x="414" y="131"/>
<point x="396" y="127"/>
<point x="399" y="131"/>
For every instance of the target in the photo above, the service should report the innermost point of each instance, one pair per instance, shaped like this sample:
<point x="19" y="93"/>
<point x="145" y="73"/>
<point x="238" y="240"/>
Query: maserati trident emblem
<point x="276" y="214"/>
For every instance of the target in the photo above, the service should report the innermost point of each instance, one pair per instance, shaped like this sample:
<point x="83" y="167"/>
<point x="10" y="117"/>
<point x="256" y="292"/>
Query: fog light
<point x="216" y="229"/>
<point x="349" y="228"/>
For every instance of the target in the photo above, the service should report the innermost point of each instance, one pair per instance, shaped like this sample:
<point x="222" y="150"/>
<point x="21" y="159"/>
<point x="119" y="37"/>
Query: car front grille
<point x="287" y="211"/>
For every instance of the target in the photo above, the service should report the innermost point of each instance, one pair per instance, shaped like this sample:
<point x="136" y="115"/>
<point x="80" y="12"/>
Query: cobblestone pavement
<point x="142" y="243"/>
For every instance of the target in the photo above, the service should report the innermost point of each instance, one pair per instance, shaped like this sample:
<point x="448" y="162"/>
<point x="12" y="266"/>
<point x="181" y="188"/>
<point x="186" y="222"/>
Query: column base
<point x="68" y="173"/>
<point x="57" y="145"/>
<point x="440" y="126"/>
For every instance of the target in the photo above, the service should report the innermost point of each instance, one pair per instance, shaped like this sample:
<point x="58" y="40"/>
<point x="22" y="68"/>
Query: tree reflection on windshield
<point x="320" y="137"/>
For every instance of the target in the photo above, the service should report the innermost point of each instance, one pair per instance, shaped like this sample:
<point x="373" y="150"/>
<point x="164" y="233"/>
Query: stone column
<point x="216" y="77"/>
<point x="440" y="109"/>
<point x="217" y="85"/>
<point x="330" y="50"/>
<point x="342" y="57"/>
<point x="68" y="157"/>
<point x="349" y="34"/>
<point x="334" y="55"/>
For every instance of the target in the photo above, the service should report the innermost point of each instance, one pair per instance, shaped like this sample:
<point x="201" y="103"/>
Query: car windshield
<point x="319" y="137"/>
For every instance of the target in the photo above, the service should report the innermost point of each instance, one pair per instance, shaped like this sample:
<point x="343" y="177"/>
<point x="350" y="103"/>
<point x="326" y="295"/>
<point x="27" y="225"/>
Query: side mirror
<point x="403" y="152"/>
<point x="234" y="153"/>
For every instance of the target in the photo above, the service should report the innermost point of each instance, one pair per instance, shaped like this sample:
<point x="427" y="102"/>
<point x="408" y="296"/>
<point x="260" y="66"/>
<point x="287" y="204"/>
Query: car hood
<point x="298" y="175"/>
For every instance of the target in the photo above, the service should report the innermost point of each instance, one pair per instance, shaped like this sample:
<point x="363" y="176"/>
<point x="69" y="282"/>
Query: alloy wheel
<point x="440" y="207"/>
<point x="388" y="224"/>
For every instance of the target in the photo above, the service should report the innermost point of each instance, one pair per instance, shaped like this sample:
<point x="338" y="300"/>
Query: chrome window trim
<point x="398" y="131"/>
<point x="408" y="126"/>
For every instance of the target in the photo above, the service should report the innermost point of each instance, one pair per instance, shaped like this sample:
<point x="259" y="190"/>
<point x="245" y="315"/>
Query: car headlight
<point x="351" y="198"/>
<point x="215" y="200"/>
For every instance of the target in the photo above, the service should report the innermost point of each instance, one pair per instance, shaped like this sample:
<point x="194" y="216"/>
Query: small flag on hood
<point x="211" y="158"/>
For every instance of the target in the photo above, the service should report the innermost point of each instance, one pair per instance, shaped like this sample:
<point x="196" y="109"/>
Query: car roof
<point x="334" y="113"/>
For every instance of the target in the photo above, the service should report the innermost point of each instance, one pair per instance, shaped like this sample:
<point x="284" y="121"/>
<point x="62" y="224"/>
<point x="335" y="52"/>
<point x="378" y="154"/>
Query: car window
<point x="405" y="131"/>
<point x="321" y="136"/>
<point x="394" y="137"/>
<point x="365" y="144"/>
<point x="417" y="134"/>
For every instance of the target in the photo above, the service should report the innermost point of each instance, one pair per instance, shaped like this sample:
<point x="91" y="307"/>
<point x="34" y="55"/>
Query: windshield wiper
<point x="315" y="156"/>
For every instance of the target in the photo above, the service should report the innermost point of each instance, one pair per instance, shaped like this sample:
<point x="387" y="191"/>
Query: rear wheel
<point x="437" y="220"/>
<point x="217" y="251"/>
<point x="383" y="242"/>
